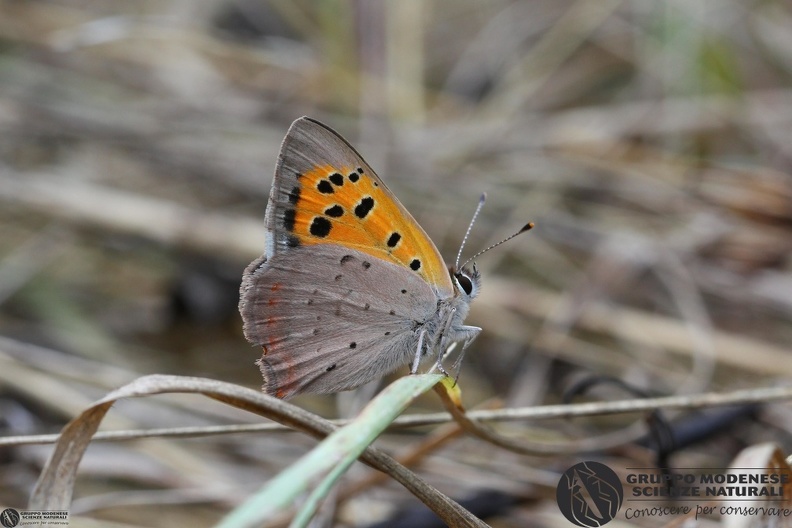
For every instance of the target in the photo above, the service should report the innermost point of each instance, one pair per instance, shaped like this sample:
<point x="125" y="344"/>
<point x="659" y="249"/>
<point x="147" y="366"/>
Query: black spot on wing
<point x="336" y="179"/>
<point x="325" y="187"/>
<point x="334" y="211"/>
<point x="294" y="195"/>
<point x="346" y="258"/>
<point x="364" y="207"/>
<point x="415" y="265"/>
<point x="393" y="241"/>
<point x="320" y="227"/>
<point x="288" y="219"/>
<point x="353" y="177"/>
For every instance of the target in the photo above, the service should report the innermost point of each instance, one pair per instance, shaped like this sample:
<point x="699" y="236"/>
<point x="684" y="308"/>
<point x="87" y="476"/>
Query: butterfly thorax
<point x="446" y="324"/>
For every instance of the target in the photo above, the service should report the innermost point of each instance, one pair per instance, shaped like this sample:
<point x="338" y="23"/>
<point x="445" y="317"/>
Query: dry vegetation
<point x="649" y="141"/>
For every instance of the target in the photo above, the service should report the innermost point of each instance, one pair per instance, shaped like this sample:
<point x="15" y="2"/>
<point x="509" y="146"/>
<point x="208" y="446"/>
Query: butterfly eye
<point x="465" y="283"/>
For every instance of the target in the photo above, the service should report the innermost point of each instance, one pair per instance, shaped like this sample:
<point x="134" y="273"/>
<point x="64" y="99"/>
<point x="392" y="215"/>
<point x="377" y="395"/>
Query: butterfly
<point x="350" y="286"/>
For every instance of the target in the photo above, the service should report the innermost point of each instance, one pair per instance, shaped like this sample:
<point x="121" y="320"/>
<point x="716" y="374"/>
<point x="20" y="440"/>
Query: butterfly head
<point x="467" y="281"/>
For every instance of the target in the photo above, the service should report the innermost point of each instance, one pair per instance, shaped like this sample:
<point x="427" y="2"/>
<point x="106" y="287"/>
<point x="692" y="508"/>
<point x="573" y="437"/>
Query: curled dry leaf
<point x="765" y="459"/>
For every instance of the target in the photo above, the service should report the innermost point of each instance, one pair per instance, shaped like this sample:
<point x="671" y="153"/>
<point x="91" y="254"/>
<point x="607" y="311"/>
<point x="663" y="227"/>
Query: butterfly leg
<point x="439" y="366"/>
<point x="439" y="342"/>
<point x="472" y="333"/>
<point x="418" y="353"/>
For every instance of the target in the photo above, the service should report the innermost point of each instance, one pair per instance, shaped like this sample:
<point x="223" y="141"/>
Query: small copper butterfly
<point x="350" y="286"/>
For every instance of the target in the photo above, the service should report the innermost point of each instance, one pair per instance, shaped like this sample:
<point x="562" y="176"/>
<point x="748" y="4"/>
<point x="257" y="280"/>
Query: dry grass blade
<point x="55" y="486"/>
<point x="487" y="434"/>
<point x="470" y="422"/>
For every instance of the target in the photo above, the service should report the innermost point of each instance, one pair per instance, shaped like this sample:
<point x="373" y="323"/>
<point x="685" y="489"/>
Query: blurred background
<point x="648" y="141"/>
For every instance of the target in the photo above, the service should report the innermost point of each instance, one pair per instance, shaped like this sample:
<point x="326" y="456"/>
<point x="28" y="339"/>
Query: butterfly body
<point x="350" y="287"/>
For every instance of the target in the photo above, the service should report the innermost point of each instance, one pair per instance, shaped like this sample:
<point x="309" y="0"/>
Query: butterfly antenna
<point x="470" y="227"/>
<point x="526" y="227"/>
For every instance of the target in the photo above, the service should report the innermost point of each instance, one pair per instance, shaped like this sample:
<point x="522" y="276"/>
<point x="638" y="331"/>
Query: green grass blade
<point x="329" y="460"/>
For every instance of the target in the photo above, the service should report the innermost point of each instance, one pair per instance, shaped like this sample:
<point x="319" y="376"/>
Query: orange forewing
<point x="378" y="227"/>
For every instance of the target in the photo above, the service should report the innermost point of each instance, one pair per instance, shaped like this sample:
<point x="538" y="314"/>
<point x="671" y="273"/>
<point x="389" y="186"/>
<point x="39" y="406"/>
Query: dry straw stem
<point x="167" y="222"/>
<point x="521" y="414"/>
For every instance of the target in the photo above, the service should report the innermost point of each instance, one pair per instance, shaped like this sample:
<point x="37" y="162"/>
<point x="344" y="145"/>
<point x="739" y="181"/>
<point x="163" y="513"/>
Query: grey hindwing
<point x="330" y="319"/>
